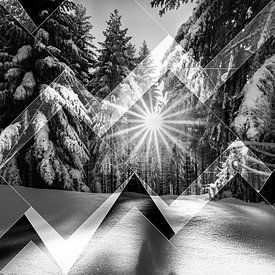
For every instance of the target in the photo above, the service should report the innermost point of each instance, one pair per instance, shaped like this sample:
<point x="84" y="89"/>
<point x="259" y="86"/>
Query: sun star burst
<point x="155" y="127"/>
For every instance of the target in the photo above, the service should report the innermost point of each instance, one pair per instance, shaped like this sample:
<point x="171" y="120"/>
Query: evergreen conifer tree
<point x="56" y="153"/>
<point x="113" y="59"/>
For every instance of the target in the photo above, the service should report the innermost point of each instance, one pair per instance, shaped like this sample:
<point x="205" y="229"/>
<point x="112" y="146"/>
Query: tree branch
<point x="263" y="144"/>
<point x="256" y="171"/>
<point x="264" y="152"/>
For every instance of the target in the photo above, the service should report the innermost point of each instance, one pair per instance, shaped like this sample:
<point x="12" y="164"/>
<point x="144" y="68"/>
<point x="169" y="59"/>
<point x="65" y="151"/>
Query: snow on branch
<point x="7" y="136"/>
<point x="60" y="95"/>
<point x="253" y="118"/>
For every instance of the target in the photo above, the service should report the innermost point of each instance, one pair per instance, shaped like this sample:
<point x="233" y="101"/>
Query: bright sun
<point x="153" y="121"/>
<point x="148" y="126"/>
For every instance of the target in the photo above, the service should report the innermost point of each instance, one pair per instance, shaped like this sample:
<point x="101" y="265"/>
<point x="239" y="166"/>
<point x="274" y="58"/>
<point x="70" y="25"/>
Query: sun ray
<point x="175" y="130"/>
<point x="138" y="134"/>
<point x="140" y="143"/>
<point x="151" y="103"/>
<point x="152" y="129"/>
<point x="135" y="114"/>
<point x="171" y="138"/>
<point x="164" y="141"/>
<point x="141" y="110"/>
<point x="170" y="108"/>
<point x="125" y="131"/>
<point x="185" y="122"/>
<point x="145" y="106"/>
<point x="175" y="114"/>
<point x="157" y="147"/>
<point x="149" y="145"/>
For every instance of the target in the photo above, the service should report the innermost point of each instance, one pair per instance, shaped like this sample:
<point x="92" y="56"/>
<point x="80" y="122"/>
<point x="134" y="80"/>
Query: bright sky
<point x="135" y="17"/>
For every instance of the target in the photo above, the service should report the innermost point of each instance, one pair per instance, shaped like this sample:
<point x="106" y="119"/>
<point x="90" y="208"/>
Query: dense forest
<point x="55" y="82"/>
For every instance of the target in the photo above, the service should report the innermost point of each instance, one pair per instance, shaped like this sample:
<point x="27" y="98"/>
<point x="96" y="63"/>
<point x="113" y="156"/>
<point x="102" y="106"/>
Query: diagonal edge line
<point x="266" y="181"/>
<point x="30" y="206"/>
<point x="206" y="67"/>
<point x="58" y="235"/>
<point x="18" y="21"/>
<point x="139" y="65"/>
<point x="238" y="68"/>
<point x="11" y="186"/>
<point x="216" y="161"/>
<point x="196" y="213"/>
<point x="146" y="185"/>
<point x="135" y="208"/>
<point x="79" y="231"/>
<point x="140" y="96"/>
<point x="256" y="157"/>
<point x="160" y="25"/>
<point x="222" y="187"/>
<point x="152" y="82"/>
<point x="119" y="157"/>
<point x="205" y="203"/>
<point x="8" y="157"/>
<point x="234" y="134"/>
<point x="109" y="147"/>
<point x="20" y="216"/>
<point x="27" y="14"/>
<point x="258" y="192"/>
<point x="31" y="34"/>
<point x="204" y="104"/>
<point x="198" y="68"/>
<point x="49" y="16"/>
<point x="212" y="163"/>
<point x="250" y="23"/>
<point x="164" y="29"/>
<point x="215" y="115"/>
<point x="32" y="242"/>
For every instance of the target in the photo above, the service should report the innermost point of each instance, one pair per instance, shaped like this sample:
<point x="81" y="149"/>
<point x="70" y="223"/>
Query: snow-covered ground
<point x="225" y="237"/>
<point x="229" y="237"/>
<point x="64" y="210"/>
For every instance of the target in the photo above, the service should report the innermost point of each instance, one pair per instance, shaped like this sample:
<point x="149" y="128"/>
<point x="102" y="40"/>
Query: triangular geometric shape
<point x="16" y="238"/>
<point x="18" y="12"/>
<point x="32" y="260"/>
<point x="132" y="246"/>
<point x="12" y="207"/>
<point x="40" y="10"/>
<point x="135" y="195"/>
<point x="268" y="190"/>
<point x="65" y="211"/>
<point x="239" y="188"/>
<point x="169" y="157"/>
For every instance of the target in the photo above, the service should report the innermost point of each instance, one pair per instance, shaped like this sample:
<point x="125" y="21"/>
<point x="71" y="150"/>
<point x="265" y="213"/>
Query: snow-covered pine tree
<point x="143" y="52"/>
<point x="73" y="42"/>
<point x="202" y="36"/>
<point x="113" y="59"/>
<point x="145" y="75"/>
<point x="145" y="69"/>
<point x="57" y="154"/>
<point x="132" y="60"/>
<point x="19" y="13"/>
